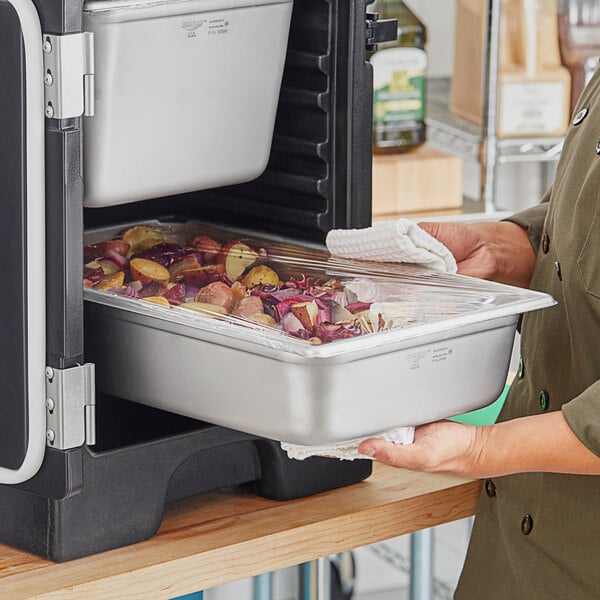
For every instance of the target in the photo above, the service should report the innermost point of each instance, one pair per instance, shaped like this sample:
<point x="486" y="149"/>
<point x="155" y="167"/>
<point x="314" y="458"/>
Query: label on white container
<point x="532" y="108"/>
<point x="195" y="26"/>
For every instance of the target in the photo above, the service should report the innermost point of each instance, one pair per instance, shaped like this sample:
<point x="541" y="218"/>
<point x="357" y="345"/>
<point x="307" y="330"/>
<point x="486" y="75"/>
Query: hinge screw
<point x="49" y="372"/>
<point x="49" y="111"/>
<point x="48" y="79"/>
<point x="50" y="404"/>
<point x="47" y="47"/>
<point x="50" y="436"/>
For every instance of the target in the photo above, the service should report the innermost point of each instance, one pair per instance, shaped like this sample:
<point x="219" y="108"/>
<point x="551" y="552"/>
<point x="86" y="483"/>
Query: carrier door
<point x="22" y="244"/>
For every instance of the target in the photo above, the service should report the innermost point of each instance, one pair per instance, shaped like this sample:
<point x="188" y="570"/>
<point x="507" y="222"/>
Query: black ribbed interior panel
<point x="319" y="173"/>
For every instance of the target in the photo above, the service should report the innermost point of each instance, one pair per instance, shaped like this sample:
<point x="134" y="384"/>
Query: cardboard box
<point x="422" y="180"/>
<point x="533" y="87"/>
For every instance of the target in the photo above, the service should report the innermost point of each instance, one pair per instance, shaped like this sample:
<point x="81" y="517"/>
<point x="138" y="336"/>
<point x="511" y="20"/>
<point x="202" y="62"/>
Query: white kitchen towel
<point x="348" y="450"/>
<point x="401" y="241"/>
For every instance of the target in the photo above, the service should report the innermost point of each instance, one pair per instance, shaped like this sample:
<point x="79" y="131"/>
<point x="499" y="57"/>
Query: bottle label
<point x="532" y="108"/>
<point x="399" y="84"/>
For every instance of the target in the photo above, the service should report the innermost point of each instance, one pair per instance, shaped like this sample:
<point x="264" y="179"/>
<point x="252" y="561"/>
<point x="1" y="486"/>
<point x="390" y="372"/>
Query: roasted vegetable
<point x="108" y="266"/>
<point x="111" y="281"/>
<point x="176" y="294"/>
<point x="284" y="307"/>
<point x="236" y="257"/>
<point x="217" y="293"/>
<point x="208" y="310"/>
<point x="291" y="323"/>
<point x="154" y="288"/>
<point x="262" y="319"/>
<point x="306" y="313"/>
<point x="216" y="281"/>
<point x="339" y="313"/>
<point x="160" y="300"/>
<point x="165" y="254"/>
<point x="142" y="237"/>
<point x="259" y="276"/>
<point x="93" y="274"/>
<point x="182" y="265"/>
<point x="329" y="332"/>
<point x="147" y="271"/>
<point x="357" y="307"/>
<point x="239" y="290"/>
<point x="209" y="247"/>
<point x="249" y="306"/>
<point x="94" y="251"/>
<point x="204" y="275"/>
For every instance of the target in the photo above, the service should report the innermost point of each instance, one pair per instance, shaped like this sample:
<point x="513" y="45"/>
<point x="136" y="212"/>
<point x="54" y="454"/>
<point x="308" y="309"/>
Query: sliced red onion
<point x="284" y="307"/>
<point x="119" y="260"/>
<point x="326" y="296"/>
<point x="194" y="252"/>
<point x="152" y="289"/>
<point x="91" y="252"/>
<point x="190" y="293"/>
<point x="108" y="266"/>
<point x="131" y="292"/>
<point x="303" y="334"/>
<point x="176" y="295"/>
<point x="93" y="275"/>
<point x="291" y="323"/>
<point x="357" y="307"/>
<point x="126" y="292"/>
<point x="329" y="332"/>
<point x="323" y="316"/>
<point x="303" y="282"/>
<point x="283" y="294"/>
<point x="262" y="294"/>
<point x="226" y="279"/>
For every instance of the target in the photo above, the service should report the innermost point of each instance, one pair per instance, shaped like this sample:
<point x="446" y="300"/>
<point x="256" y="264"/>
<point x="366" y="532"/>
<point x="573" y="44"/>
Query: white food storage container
<point x="186" y="95"/>
<point x="447" y="351"/>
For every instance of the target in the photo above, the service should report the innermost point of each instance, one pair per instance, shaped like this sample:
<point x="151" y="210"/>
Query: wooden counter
<point x="221" y="537"/>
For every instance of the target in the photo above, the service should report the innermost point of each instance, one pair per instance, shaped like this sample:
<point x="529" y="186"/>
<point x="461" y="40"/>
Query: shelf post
<point x="421" y="565"/>
<point x="490" y="106"/>
<point x="315" y="580"/>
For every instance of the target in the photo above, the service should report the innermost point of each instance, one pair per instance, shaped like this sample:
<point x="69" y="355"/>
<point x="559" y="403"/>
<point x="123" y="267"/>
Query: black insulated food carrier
<point x="84" y="472"/>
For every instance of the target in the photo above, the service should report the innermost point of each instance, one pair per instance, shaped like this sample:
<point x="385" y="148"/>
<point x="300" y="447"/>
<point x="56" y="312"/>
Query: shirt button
<point x="580" y="116"/>
<point x="526" y="524"/>
<point x="490" y="488"/>
<point x="544" y="400"/>
<point x="546" y="241"/>
<point x="558" y="270"/>
<point x="521" y="370"/>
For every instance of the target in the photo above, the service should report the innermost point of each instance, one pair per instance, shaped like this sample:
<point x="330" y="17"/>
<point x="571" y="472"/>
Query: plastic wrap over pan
<point x="285" y="341"/>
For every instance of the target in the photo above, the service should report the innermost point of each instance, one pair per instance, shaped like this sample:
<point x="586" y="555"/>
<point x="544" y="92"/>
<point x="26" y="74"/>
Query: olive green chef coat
<point x="537" y="535"/>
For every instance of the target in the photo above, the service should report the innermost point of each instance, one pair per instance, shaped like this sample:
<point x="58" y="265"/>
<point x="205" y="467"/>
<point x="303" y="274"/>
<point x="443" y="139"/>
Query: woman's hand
<point x="442" y="447"/>
<point x="499" y="251"/>
<point x="543" y="443"/>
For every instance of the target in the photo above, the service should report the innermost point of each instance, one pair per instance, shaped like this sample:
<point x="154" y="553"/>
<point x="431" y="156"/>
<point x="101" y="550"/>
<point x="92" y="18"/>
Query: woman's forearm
<point x="540" y="443"/>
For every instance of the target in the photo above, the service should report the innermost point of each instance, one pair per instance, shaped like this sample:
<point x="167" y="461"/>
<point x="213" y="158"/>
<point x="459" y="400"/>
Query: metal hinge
<point x="71" y="407"/>
<point x="380" y="31"/>
<point x="68" y="75"/>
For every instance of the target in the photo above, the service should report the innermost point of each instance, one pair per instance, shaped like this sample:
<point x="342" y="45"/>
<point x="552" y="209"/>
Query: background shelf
<point x="449" y="133"/>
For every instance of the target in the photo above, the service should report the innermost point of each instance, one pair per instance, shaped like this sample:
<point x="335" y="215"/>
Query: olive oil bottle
<point x="399" y="71"/>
